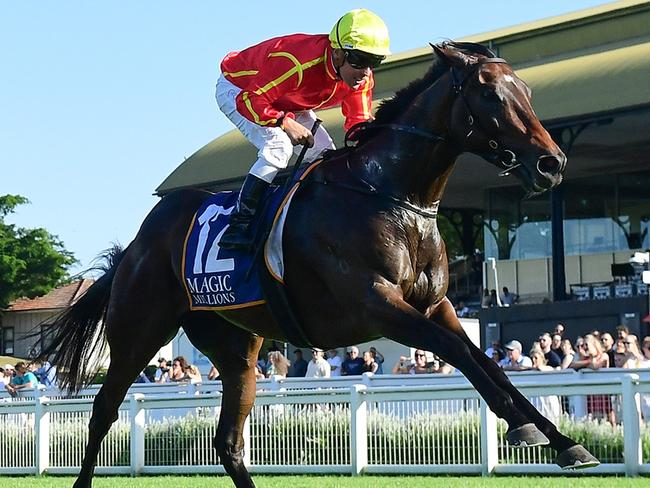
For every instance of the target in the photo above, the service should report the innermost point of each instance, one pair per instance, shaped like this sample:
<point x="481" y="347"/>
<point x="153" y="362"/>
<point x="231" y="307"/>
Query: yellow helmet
<point x="361" y="30"/>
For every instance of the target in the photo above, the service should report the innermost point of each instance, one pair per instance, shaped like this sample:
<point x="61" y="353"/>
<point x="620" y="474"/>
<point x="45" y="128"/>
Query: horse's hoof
<point x="576" y="457"/>
<point x="528" y="435"/>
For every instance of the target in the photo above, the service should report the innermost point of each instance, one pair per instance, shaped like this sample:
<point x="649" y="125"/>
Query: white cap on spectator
<point x="513" y="345"/>
<point x="8" y="366"/>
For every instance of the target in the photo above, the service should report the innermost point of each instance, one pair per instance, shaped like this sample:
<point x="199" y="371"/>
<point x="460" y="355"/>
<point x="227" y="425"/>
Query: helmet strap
<point x="337" y="69"/>
<point x="338" y="39"/>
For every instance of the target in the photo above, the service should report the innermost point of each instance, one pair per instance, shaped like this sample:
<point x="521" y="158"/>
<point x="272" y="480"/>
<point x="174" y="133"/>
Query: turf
<point x="334" y="482"/>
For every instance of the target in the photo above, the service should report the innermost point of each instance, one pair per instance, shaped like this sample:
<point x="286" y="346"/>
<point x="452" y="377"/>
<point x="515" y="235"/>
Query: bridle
<point x="494" y="152"/>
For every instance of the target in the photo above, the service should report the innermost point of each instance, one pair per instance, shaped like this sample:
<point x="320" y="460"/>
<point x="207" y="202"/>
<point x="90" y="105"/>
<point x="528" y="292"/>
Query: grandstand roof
<point x="590" y="65"/>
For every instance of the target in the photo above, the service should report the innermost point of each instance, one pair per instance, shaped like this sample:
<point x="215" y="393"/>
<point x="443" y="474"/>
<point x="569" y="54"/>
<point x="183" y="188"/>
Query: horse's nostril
<point x="550" y="164"/>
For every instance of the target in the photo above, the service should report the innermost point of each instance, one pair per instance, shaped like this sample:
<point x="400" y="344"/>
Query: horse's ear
<point x="451" y="56"/>
<point x="439" y="52"/>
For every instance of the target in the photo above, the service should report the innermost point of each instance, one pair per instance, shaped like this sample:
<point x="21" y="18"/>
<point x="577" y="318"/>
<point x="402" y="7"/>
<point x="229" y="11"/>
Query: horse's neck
<point x="410" y="165"/>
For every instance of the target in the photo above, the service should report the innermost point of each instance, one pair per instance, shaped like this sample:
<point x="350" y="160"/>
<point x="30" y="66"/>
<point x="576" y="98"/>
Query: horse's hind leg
<point x="234" y="352"/>
<point x="570" y="453"/>
<point x="136" y="327"/>
<point x="400" y="322"/>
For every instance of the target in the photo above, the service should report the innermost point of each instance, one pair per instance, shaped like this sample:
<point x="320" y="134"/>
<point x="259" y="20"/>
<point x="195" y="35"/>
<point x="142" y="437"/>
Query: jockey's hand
<point x="298" y="133"/>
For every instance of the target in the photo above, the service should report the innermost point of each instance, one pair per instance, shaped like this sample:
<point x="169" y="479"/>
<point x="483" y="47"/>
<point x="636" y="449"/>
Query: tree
<point x="32" y="261"/>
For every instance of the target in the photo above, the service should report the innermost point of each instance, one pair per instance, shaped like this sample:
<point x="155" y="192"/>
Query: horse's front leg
<point x="571" y="454"/>
<point x="238" y="399"/>
<point x="401" y="322"/>
<point x="234" y="352"/>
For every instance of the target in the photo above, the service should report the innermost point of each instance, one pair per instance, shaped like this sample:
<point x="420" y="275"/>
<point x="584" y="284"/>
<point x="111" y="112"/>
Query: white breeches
<point x="273" y="145"/>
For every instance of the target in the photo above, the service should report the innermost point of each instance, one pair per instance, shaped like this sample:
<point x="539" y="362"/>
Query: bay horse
<point x="363" y="259"/>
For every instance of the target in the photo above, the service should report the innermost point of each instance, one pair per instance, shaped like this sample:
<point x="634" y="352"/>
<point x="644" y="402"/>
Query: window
<point x="7" y="341"/>
<point x="590" y="216"/>
<point x="517" y="228"/>
<point x="634" y="209"/>
<point x="603" y="213"/>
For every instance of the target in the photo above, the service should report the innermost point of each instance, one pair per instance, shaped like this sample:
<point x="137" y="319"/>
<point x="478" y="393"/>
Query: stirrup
<point x="237" y="236"/>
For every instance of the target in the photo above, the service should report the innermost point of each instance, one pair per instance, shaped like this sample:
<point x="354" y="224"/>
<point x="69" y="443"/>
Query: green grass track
<point x="580" y="481"/>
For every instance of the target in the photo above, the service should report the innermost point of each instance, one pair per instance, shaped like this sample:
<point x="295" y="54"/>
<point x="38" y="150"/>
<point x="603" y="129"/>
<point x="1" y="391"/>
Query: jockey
<point x="269" y="91"/>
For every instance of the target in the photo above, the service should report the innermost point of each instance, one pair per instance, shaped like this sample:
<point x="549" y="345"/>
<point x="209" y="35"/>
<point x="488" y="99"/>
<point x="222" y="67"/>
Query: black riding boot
<point x="237" y="236"/>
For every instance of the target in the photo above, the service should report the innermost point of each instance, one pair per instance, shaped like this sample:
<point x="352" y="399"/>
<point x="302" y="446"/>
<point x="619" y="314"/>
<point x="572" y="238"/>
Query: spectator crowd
<point x="327" y="364"/>
<point x="27" y="375"/>
<point x="321" y="364"/>
<point x="596" y="350"/>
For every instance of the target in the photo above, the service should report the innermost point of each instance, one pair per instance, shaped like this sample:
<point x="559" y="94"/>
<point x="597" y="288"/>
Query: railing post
<point x="246" y="434"/>
<point x="631" y="405"/>
<point x="489" y="440"/>
<point x="137" y="414"/>
<point x="42" y="434"/>
<point x="578" y="402"/>
<point x="358" y="428"/>
<point x="276" y="383"/>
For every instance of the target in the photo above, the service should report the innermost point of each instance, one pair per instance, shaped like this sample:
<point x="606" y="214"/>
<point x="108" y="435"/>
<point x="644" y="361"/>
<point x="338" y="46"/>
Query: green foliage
<point x="604" y="441"/>
<point x="181" y="441"/>
<point x="100" y="377"/>
<point x="32" y="261"/>
<point x="66" y="432"/>
<point x="424" y="438"/>
<point x="15" y="437"/>
<point x="601" y="439"/>
<point x="450" y="236"/>
<point x="300" y="434"/>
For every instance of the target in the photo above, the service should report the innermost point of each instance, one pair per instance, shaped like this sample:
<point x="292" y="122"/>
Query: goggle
<point x="361" y="60"/>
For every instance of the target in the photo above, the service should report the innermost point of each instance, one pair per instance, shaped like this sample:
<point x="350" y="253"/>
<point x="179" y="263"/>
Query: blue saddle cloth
<point x="215" y="278"/>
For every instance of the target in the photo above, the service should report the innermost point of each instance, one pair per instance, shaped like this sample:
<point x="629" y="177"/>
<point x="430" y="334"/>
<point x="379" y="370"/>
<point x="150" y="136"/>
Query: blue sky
<point x="100" y="101"/>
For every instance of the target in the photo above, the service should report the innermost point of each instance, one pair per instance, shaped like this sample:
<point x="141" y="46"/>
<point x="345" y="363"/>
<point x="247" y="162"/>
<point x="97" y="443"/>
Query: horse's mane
<point x="392" y="107"/>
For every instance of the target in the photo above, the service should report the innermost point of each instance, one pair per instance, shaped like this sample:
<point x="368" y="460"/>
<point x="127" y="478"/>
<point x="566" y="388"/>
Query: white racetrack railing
<point x="368" y="424"/>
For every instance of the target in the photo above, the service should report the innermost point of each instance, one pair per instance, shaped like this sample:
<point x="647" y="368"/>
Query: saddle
<point x="218" y="279"/>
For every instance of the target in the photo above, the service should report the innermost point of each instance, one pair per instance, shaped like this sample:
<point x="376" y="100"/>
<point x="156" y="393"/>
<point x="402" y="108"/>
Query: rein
<point x="504" y="156"/>
<point x="366" y="187"/>
<point x="406" y="129"/>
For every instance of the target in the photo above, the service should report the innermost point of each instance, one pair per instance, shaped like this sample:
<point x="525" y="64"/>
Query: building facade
<point x="25" y="323"/>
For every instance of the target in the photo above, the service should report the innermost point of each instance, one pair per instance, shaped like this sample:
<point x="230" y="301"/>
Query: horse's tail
<point x="78" y="344"/>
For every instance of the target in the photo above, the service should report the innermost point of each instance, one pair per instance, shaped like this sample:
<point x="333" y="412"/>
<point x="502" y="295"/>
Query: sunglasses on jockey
<point x="361" y="60"/>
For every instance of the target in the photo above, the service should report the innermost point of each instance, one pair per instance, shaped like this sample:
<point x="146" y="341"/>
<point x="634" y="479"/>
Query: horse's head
<point x="492" y="117"/>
